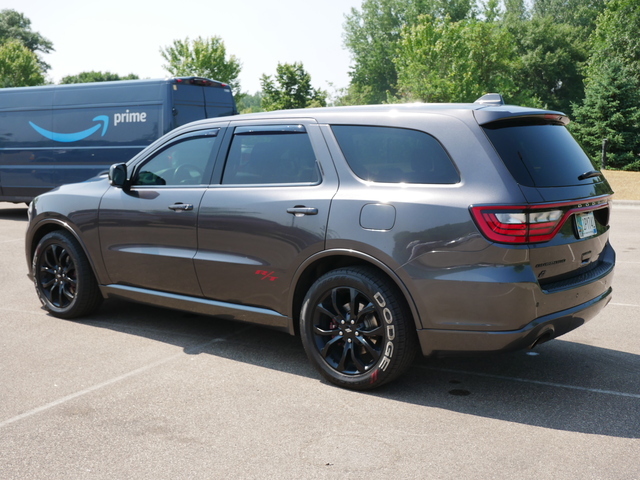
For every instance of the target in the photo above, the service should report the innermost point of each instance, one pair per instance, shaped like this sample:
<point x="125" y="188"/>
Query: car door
<point x="267" y="215"/>
<point x="148" y="231"/>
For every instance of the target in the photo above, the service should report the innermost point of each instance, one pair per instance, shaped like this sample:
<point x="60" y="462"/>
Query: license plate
<point x="586" y="225"/>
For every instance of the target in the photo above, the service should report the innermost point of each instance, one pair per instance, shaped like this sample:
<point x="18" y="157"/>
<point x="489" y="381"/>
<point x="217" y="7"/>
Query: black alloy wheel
<point x="356" y="329"/>
<point x="347" y="331"/>
<point x="63" y="277"/>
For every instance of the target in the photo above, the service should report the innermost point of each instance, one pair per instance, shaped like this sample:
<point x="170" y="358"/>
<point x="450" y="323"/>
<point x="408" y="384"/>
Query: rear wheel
<point x="356" y="328"/>
<point x="63" y="277"/>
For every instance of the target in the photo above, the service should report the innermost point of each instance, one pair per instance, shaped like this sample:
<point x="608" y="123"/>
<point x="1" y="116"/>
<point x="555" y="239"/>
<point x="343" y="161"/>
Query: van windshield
<point x="540" y="154"/>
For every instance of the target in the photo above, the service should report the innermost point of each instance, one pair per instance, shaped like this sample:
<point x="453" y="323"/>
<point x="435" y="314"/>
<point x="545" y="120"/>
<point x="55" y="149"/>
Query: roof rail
<point x="490" y="99"/>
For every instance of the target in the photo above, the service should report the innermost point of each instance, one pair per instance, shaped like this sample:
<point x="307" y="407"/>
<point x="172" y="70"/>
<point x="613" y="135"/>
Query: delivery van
<point x="58" y="134"/>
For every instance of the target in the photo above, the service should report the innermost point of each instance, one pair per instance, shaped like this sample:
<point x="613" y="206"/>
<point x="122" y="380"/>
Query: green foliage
<point x="19" y="66"/>
<point x="16" y="28"/>
<point x="550" y="56"/>
<point x="88" y="77"/>
<point x="618" y="36"/>
<point x="577" y="13"/>
<point x="372" y="35"/>
<point x="291" y="88"/>
<point x="446" y="61"/>
<point x="542" y="64"/>
<point x="611" y="109"/>
<point x="202" y="57"/>
<point x="247" y="103"/>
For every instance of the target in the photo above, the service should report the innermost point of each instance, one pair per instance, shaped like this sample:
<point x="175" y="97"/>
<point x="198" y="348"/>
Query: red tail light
<point x="523" y="224"/>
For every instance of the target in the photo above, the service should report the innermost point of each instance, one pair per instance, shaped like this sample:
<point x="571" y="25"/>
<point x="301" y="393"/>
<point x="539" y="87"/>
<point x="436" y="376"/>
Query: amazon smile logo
<point x="103" y="122"/>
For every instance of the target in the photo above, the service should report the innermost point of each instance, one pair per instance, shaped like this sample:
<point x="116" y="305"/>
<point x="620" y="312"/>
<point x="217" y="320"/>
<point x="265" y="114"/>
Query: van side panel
<point x="16" y="147"/>
<point x="85" y="130"/>
<point x="61" y="134"/>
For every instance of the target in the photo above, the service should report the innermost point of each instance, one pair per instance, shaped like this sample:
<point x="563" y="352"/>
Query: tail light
<point x="524" y="224"/>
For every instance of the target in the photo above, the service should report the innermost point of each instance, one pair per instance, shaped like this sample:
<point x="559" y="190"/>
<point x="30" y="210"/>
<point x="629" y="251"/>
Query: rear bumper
<point x="452" y="342"/>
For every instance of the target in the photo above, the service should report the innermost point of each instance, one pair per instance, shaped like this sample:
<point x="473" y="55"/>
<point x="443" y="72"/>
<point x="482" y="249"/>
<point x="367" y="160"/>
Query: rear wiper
<point x="589" y="174"/>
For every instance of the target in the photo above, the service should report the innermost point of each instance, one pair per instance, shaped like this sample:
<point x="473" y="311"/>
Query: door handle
<point x="181" y="207"/>
<point x="300" y="211"/>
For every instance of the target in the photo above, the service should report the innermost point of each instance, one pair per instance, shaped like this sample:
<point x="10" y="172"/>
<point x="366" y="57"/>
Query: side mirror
<point x="118" y="175"/>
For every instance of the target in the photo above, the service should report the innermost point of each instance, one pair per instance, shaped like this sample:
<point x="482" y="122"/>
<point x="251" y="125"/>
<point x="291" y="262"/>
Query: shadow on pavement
<point x="14" y="213"/>
<point x="562" y="385"/>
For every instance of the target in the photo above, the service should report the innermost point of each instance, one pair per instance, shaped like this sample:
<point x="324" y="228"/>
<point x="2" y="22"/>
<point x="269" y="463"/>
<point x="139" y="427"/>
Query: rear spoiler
<point x="493" y="109"/>
<point x="510" y="114"/>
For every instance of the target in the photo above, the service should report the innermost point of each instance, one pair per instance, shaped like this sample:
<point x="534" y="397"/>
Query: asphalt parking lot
<point x="136" y="392"/>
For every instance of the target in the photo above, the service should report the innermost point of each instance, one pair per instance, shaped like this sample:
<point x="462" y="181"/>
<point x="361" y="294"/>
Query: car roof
<point x="358" y="114"/>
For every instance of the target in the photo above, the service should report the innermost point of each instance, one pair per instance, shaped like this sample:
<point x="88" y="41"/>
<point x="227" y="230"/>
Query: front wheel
<point x="356" y="328"/>
<point x="63" y="277"/>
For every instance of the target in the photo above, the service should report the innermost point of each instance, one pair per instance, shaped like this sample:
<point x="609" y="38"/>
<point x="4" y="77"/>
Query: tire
<point x="63" y="277"/>
<point x="361" y="351"/>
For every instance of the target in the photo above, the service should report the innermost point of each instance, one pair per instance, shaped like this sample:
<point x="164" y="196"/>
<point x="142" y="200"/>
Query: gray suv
<point x="373" y="232"/>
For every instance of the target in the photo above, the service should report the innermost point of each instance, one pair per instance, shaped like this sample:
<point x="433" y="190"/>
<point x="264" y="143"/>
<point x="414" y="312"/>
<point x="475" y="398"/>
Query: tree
<point x="551" y="59"/>
<point x="372" y="35"/>
<point x="202" y="57"/>
<point x="445" y="61"/>
<point x="92" y="76"/>
<point x="15" y="26"/>
<point x="611" y="109"/>
<point x="617" y="35"/>
<point x="19" y="66"/>
<point x="291" y="88"/>
<point x="247" y="103"/>
<point x="577" y="13"/>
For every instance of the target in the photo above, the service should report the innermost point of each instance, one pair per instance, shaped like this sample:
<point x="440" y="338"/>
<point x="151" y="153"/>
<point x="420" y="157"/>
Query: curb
<point x="626" y="203"/>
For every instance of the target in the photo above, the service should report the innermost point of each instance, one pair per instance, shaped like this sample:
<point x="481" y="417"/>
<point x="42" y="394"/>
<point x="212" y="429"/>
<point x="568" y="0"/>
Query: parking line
<point x="535" y="382"/>
<point x="189" y="351"/>
<point x="624" y="305"/>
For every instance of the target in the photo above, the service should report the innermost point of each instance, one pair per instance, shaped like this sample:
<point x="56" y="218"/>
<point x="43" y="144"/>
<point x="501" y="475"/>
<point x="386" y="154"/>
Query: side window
<point x="395" y="155"/>
<point x="270" y="154"/>
<point x="181" y="163"/>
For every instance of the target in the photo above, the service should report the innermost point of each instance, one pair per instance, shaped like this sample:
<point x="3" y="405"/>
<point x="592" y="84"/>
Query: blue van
<point x="60" y="134"/>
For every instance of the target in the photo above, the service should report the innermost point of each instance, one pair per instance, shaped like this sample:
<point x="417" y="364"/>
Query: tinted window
<point x="394" y="155"/>
<point x="181" y="163"/>
<point x="270" y="155"/>
<point x="540" y="155"/>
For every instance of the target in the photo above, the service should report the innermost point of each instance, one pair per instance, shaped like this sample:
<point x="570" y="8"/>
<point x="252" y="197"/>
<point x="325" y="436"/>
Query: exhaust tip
<point x="545" y="337"/>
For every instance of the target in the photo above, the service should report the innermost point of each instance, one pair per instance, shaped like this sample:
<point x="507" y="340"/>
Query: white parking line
<point x="624" y="305"/>
<point x="535" y="382"/>
<point x="60" y="401"/>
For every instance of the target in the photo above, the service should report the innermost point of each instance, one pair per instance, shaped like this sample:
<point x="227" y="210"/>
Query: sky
<point x="125" y="36"/>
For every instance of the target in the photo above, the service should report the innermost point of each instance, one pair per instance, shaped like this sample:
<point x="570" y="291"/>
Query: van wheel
<point x="356" y="328"/>
<point x="63" y="277"/>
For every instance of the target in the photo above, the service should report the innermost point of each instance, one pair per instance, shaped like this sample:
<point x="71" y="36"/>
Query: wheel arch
<point x="329" y="260"/>
<point x="47" y="226"/>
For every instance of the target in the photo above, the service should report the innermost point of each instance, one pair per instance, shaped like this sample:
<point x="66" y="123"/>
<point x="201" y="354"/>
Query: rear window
<point x="540" y="155"/>
<point x="271" y="154"/>
<point x="394" y="155"/>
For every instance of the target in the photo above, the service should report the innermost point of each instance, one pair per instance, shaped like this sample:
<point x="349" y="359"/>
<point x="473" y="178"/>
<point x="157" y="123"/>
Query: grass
<point x="626" y="185"/>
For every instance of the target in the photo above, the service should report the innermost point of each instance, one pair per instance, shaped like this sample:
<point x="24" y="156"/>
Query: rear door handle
<point x="300" y="211"/>
<point x="181" y="207"/>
